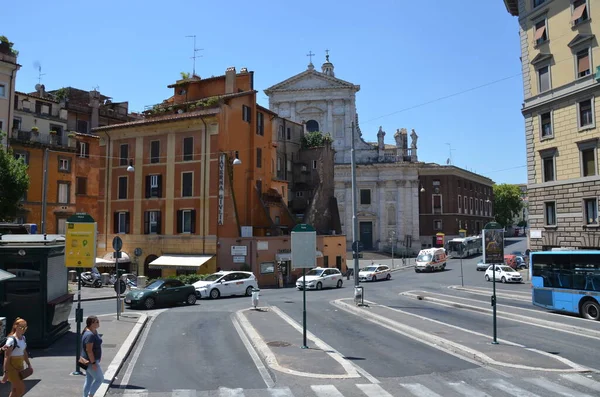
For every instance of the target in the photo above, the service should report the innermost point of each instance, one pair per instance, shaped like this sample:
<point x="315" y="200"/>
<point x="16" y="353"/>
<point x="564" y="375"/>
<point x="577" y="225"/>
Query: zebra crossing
<point x="564" y="385"/>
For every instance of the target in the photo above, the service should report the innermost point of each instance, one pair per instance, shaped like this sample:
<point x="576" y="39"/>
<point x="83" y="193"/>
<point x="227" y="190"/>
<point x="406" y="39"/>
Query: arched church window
<point x="312" y="125"/>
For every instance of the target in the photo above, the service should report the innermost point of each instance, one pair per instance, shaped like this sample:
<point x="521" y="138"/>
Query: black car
<point x="161" y="292"/>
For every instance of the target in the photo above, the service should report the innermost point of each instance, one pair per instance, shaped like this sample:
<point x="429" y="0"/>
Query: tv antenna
<point x="195" y="56"/>
<point x="38" y="66"/>
<point x="450" y="150"/>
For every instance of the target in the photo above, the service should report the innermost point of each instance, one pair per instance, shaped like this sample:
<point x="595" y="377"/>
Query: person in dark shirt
<point x="92" y="351"/>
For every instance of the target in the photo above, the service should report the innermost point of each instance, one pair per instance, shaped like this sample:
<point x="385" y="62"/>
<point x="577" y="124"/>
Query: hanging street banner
<point x="221" y="197"/>
<point x="493" y="244"/>
<point x="80" y="241"/>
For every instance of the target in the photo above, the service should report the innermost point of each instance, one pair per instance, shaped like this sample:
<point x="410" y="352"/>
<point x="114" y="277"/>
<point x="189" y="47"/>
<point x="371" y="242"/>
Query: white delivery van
<point x="430" y="260"/>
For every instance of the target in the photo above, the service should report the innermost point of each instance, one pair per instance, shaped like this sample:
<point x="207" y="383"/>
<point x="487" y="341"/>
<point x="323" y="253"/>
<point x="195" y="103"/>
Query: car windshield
<point x="370" y="269"/>
<point x="213" y="277"/>
<point x="155" y="284"/>
<point x="315" y="272"/>
<point x="424" y="258"/>
<point x="506" y="269"/>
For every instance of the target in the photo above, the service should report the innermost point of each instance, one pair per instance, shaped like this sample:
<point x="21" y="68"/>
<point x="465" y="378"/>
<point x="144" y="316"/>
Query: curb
<point x="122" y="354"/>
<point x="101" y="298"/>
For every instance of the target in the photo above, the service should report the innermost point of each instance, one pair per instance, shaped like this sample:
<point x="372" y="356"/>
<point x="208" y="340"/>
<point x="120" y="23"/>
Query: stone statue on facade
<point x="414" y="137"/>
<point x="400" y="147"/>
<point x="380" y="137"/>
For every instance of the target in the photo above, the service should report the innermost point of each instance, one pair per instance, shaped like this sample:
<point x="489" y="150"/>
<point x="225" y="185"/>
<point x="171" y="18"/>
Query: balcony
<point x="43" y="138"/>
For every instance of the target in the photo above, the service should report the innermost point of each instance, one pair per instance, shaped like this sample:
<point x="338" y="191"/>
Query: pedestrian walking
<point x="15" y="356"/>
<point x="92" y="351"/>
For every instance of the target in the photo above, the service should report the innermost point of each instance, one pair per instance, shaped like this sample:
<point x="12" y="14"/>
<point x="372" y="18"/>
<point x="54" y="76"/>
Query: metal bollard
<point x="255" y="294"/>
<point x="359" y="298"/>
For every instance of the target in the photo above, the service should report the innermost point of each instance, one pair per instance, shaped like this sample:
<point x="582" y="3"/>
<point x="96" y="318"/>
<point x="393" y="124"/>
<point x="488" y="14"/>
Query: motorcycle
<point x="89" y="279"/>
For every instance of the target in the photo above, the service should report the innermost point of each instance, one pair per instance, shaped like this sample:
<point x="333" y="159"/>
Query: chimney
<point x="95" y="105"/>
<point x="230" y="77"/>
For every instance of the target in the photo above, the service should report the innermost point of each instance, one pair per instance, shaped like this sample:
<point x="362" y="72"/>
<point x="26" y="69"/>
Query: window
<point x="63" y="193"/>
<point x="121" y="222"/>
<point x="186" y="221"/>
<point x="481" y="207"/>
<point x="365" y="196"/>
<point x="544" y="78"/>
<point x="22" y="156"/>
<point x="155" y="152"/>
<point x="260" y="123"/>
<point x="281" y="132"/>
<point x="267" y="268"/>
<point x="122" y="188"/>
<point x="540" y="35"/>
<point x="16" y="123"/>
<point x="61" y="226"/>
<point x="437" y="203"/>
<point x="2" y="91"/>
<point x="459" y="204"/>
<point x="465" y="206"/>
<point x="590" y="207"/>
<point x="538" y="3"/>
<point x="476" y="207"/>
<point x="153" y="186"/>
<point x="437" y="224"/>
<point x="124" y="154"/>
<point x="81" y="185"/>
<point x="153" y="217"/>
<point x="187" y="184"/>
<point x="277" y="220"/>
<point x="314" y="164"/>
<point x="64" y="164"/>
<point x="548" y="170"/>
<point x="312" y="126"/>
<point x="299" y="194"/>
<point x="278" y="164"/>
<point x="258" y="158"/>
<point x="82" y="126"/>
<point x="583" y="63"/>
<point x="83" y="150"/>
<point x="580" y="12"/>
<point x="188" y="149"/>
<point x="550" y="213"/>
<point x="588" y="157"/>
<point x="546" y="125"/>
<point x="586" y="113"/>
<point x="471" y="205"/>
<point x="289" y="133"/>
<point x="246" y="115"/>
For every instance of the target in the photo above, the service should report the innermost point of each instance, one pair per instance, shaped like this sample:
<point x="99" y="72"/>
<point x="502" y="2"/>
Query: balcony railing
<point x="43" y="138"/>
<point x="391" y="156"/>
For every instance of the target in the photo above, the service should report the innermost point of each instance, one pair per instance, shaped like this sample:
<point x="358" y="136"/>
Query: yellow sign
<point x="80" y="245"/>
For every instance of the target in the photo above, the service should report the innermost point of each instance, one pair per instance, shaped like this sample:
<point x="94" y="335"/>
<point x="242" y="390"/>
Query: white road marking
<point x="373" y="390"/>
<point x="326" y="391"/>
<point x="183" y="393"/>
<point x="419" y="390"/>
<point x="264" y="373"/>
<point x="466" y="390"/>
<point x="583" y="381"/>
<point x="225" y="392"/>
<point x="281" y="392"/>
<point x="136" y="393"/>
<point x="556" y="388"/>
<point x="512" y="389"/>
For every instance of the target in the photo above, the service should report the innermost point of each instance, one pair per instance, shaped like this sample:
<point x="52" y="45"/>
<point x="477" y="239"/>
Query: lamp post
<point x="393" y="242"/>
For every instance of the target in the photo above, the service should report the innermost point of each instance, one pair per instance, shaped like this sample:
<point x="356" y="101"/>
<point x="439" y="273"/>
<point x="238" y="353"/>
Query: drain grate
<point x="277" y="343"/>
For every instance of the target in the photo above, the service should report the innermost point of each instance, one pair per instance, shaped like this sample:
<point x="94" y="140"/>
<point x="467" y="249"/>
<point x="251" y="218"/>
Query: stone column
<point x="382" y="214"/>
<point x="414" y="191"/>
<point x="399" y="209"/>
<point x="330" y="117"/>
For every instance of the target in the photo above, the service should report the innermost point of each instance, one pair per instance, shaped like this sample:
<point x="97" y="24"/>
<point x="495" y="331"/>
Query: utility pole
<point x="354" y="209"/>
<point x="195" y="56"/>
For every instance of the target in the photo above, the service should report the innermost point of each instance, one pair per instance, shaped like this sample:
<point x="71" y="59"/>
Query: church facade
<point x="386" y="175"/>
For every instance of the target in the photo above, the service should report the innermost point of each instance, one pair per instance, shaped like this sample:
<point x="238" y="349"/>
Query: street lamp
<point x="237" y="161"/>
<point x="393" y="242"/>
<point x="130" y="167"/>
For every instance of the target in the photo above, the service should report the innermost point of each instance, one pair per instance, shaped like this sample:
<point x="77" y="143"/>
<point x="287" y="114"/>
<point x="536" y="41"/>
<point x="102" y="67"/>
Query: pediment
<point x="311" y="80"/>
<point x="541" y="57"/>
<point x="580" y="39"/>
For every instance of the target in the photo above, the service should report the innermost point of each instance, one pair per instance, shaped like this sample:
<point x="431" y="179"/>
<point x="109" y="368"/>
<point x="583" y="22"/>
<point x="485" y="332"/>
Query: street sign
<point x="80" y="241"/>
<point x="117" y="243"/>
<point x="304" y="246"/>
<point x="357" y="246"/>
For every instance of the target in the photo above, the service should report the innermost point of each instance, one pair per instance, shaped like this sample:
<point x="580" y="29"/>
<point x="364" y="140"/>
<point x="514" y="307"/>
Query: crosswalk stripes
<point x="565" y="385"/>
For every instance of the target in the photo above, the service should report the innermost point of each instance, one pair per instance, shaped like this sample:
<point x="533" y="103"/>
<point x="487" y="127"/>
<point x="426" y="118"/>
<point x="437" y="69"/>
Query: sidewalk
<point x="461" y="341"/>
<point x="278" y="341"/>
<point x="92" y="294"/>
<point x="53" y="366"/>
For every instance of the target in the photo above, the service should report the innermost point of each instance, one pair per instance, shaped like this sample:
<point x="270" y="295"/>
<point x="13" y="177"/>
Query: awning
<point x="319" y="254"/>
<point x="104" y="262"/>
<point x="179" y="261"/>
<point x="108" y="260"/>
<point x="283" y="257"/>
<point x="4" y="275"/>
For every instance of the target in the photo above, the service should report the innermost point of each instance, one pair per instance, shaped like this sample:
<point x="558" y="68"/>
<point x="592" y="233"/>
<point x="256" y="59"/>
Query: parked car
<point x="503" y="273"/>
<point x="482" y="266"/>
<point x="319" y="278"/>
<point x="161" y="292"/>
<point x="226" y="283"/>
<point x="374" y="273"/>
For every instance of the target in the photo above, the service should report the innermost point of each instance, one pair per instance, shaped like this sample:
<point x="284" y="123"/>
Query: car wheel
<point x="319" y="285"/>
<point x="487" y="278"/>
<point x="590" y="310"/>
<point x="191" y="299"/>
<point x="215" y="293"/>
<point x="249" y="291"/>
<point x="503" y="279"/>
<point x="339" y="284"/>
<point x="374" y="278"/>
<point x="417" y="271"/>
<point x="389" y="276"/>
<point x="149" y="303"/>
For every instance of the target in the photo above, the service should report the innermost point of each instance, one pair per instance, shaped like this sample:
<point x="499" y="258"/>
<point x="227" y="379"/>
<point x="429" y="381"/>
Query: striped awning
<point x="180" y="261"/>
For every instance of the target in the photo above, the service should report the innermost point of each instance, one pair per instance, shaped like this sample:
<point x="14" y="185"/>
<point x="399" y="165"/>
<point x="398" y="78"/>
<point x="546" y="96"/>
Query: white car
<point x="226" y="283"/>
<point x="503" y="273"/>
<point x="321" y="277"/>
<point x="374" y="273"/>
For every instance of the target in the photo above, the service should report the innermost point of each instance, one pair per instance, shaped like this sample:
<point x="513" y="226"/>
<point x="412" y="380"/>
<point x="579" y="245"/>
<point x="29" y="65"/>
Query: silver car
<point x="481" y="266"/>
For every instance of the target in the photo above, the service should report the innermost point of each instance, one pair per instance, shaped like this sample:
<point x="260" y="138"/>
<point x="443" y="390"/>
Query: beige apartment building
<point x="559" y="55"/>
<point x="8" y="75"/>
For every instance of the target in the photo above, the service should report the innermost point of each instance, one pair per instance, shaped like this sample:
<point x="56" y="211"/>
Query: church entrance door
<point x="366" y="235"/>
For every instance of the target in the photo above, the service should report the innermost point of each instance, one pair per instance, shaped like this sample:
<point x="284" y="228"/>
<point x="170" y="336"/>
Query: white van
<point x="431" y="259"/>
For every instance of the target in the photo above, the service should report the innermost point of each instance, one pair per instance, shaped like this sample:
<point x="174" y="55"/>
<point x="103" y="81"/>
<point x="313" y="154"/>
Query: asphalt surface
<point x="197" y="348"/>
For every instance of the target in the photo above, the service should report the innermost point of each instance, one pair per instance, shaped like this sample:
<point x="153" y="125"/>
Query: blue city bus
<point x="567" y="281"/>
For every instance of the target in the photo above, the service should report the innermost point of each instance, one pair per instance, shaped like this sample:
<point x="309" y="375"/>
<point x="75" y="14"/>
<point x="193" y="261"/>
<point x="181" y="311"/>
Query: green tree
<point x="14" y="182"/>
<point x="507" y="203"/>
<point x="315" y="139"/>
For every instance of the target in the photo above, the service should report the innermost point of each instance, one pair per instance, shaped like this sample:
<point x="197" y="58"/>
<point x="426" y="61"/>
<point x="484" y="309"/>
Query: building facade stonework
<point x="560" y="83"/>
<point x="387" y="175"/>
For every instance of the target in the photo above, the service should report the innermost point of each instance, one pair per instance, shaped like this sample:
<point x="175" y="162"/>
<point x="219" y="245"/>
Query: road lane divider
<point x="524" y="297"/>
<point x="456" y="349"/>
<point x="537" y="322"/>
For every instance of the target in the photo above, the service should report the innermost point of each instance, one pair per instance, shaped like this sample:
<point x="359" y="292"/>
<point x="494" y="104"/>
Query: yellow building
<point x="559" y="54"/>
<point x="8" y="75"/>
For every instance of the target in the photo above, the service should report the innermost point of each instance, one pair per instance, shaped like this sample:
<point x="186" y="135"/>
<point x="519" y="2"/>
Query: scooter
<point x="89" y="279"/>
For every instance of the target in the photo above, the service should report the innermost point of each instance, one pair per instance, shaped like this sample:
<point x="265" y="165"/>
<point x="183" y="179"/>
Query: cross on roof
<point x="327" y="55"/>
<point x="310" y="55"/>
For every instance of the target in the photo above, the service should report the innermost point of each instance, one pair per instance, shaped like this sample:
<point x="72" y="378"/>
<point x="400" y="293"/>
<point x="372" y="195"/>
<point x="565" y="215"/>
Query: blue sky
<point x="405" y="56"/>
